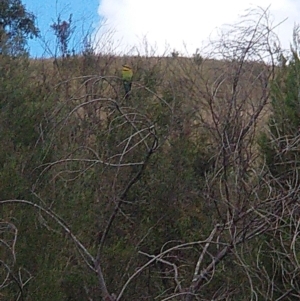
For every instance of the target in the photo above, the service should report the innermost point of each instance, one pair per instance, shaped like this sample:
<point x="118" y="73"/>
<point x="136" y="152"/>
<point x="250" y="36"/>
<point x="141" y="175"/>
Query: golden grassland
<point x="208" y="91"/>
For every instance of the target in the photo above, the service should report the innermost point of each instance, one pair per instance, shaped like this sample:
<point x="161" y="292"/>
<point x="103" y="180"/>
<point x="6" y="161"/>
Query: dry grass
<point x="203" y="91"/>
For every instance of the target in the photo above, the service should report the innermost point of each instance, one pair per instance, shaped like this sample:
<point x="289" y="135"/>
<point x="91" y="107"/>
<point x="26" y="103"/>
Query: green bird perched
<point x="127" y="79"/>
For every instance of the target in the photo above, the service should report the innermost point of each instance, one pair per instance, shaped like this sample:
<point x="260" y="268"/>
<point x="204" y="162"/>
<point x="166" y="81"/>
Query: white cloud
<point x="186" y="22"/>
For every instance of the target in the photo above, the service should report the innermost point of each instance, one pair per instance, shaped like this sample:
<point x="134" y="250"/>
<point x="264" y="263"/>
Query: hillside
<point x="187" y="190"/>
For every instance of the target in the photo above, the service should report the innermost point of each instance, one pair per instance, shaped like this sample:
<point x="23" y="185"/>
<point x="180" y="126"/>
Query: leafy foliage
<point x="16" y="26"/>
<point x="281" y="146"/>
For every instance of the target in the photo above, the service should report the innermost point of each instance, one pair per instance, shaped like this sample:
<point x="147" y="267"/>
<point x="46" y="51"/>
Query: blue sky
<point x="153" y="26"/>
<point x="84" y="16"/>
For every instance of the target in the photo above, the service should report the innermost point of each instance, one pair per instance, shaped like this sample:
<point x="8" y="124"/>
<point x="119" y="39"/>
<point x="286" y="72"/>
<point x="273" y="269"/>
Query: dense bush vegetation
<point x="188" y="190"/>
